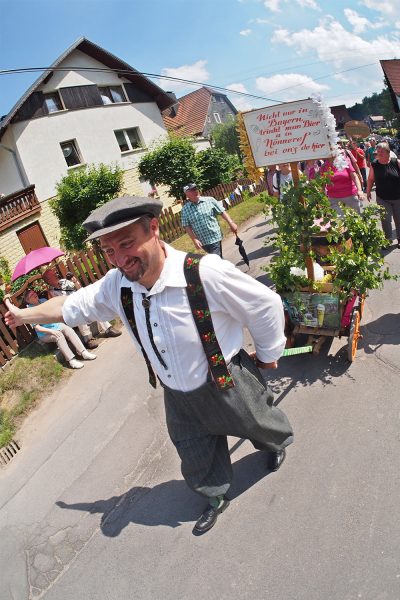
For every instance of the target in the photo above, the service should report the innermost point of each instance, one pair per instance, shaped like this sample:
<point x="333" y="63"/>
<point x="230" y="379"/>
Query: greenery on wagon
<point x="358" y="266"/>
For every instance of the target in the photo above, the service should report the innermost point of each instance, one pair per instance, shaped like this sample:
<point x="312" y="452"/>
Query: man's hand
<point x="263" y="365"/>
<point x="12" y="317"/>
<point x="234" y="227"/>
<point x="198" y="245"/>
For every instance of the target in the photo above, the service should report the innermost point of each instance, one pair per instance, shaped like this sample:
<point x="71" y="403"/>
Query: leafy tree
<point x="5" y="271"/>
<point x="80" y="192"/>
<point x="225" y="137"/>
<point x="216" y="166"/>
<point x="376" y="104"/>
<point x="172" y="163"/>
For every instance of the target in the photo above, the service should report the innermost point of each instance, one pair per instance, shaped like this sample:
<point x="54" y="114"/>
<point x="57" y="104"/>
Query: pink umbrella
<point x="35" y="259"/>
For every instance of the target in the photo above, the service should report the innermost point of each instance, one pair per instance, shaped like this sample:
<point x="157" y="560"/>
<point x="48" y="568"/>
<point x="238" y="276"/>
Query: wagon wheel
<point x="354" y="335"/>
<point x="361" y="305"/>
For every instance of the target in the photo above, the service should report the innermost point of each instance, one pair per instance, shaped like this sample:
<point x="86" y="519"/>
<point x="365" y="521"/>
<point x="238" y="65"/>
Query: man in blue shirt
<point x="199" y="220"/>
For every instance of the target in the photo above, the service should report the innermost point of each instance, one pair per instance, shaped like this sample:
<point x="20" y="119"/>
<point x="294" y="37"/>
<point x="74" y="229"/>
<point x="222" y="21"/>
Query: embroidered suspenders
<point x="203" y="321"/>
<point x="127" y="305"/>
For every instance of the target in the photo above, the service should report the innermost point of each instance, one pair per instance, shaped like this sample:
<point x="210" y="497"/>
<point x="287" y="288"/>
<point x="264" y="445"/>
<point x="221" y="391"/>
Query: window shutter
<point x="33" y="107"/>
<point x="81" y="96"/>
<point x="136" y="95"/>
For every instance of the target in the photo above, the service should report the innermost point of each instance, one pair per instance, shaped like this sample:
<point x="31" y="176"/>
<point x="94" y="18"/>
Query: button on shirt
<point x="202" y="218"/>
<point x="236" y="300"/>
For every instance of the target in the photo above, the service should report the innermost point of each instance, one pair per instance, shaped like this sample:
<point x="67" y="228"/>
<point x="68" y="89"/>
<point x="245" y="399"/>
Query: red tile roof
<point x="191" y="112"/>
<point x="340" y="113"/>
<point x="391" y="68"/>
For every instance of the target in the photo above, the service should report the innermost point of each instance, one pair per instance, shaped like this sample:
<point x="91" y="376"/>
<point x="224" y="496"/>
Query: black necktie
<point x="146" y="305"/>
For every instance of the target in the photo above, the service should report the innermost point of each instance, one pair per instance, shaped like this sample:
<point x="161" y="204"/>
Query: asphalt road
<point x="93" y="507"/>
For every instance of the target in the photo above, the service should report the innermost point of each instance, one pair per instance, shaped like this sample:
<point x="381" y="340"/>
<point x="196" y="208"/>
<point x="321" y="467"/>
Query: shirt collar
<point x="172" y="274"/>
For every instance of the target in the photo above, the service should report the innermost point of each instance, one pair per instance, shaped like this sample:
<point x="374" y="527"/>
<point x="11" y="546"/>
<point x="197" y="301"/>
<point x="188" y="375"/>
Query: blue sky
<point x="279" y="49"/>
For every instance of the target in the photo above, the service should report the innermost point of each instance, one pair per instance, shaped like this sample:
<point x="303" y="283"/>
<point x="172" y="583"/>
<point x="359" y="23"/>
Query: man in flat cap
<point x="199" y="220"/>
<point x="196" y="307"/>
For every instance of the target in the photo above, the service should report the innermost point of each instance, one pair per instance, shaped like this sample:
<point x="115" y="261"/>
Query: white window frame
<point x="54" y="93"/>
<point x="217" y="118"/>
<point x="108" y="88"/>
<point x="74" y="143"/>
<point x="128" y="141"/>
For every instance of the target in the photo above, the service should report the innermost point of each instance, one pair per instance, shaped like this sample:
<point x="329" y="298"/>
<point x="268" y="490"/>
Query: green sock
<point x="216" y="501"/>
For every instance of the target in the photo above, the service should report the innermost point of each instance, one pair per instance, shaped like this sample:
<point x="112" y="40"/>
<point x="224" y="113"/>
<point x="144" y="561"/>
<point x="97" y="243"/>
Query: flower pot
<point x="322" y="247"/>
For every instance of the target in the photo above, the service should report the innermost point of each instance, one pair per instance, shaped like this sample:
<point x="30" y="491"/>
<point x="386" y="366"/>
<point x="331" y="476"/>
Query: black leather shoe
<point x="111" y="332"/>
<point x="276" y="459"/>
<point x="209" y="517"/>
<point x="91" y="344"/>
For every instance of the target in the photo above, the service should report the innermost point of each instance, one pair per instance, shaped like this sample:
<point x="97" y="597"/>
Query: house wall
<point x="220" y="107"/>
<point x="11" y="178"/>
<point x="37" y="146"/>
<point x="201" y="144"/>
<point x="38" y="140"/>
<point x="10" y="247"/>
<point x="135" y="186"/>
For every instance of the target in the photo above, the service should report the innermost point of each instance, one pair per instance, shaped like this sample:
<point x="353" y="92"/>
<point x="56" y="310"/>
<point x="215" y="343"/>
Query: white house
<point x="88" y="107"/>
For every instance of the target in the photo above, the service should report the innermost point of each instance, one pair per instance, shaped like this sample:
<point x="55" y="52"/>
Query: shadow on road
<point x="384" y="331"/>
<point x="305" y="369"/>
<point x="169" y="504"/>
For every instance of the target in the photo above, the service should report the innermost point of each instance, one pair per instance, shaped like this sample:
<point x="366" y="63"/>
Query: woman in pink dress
<point x="344" y="188"/>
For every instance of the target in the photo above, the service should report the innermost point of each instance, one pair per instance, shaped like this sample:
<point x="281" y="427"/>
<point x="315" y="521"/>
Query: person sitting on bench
<point x="59" y="333"/>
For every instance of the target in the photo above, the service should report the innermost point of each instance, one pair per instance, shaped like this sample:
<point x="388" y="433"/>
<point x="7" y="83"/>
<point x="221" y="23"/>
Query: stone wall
<point x="133" y="186"/>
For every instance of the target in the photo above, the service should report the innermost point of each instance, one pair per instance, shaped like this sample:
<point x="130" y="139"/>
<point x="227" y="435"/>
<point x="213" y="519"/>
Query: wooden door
<point x="32" y="237"/>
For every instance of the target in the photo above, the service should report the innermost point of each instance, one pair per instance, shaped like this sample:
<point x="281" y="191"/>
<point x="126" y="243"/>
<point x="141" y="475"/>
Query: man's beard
<point x="141" y="268"/>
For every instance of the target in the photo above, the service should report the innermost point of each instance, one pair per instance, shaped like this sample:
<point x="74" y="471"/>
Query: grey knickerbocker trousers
<point x="199" y="421"/>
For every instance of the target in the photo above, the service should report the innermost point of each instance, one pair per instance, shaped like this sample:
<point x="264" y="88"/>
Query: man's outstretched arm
<point x="47" y="312"/>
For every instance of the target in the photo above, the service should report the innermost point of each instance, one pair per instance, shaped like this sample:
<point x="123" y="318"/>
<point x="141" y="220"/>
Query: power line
<point x="326" y="76"/>
<point x="176" y="79"/>
<point x="129" y="72"/>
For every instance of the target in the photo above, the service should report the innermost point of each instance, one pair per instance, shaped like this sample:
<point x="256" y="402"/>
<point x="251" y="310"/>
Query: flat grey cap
<point x="119" y="213"/>
<point x="190" y="186"/>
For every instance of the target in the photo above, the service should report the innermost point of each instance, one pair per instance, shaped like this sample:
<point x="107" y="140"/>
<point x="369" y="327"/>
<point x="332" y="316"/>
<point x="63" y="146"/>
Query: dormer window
<point x="112" y="94"/>
<point x="53" y="102"/>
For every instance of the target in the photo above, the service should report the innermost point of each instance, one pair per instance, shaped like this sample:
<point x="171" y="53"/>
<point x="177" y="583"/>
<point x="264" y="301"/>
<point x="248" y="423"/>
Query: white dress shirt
<point x="236" y="300"/>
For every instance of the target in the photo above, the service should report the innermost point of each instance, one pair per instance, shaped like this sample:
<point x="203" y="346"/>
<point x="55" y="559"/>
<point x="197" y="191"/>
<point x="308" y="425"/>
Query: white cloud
<point x="358" y="22"/>
<point x="195" y="72"/>
<point x="273" y="5"/>
<point x="361" y="23"/>
<point x="276" y="5"/>
<point x="387" y="7"/>
<point x="237" y="87"/>
<point x="245" y="32"/>
<point x="240" y="102"/>
<point x="331" y="41"/>
<point x="263" y="21"/>
<point x="291" y="86"/>
<point x="308" y="4"/>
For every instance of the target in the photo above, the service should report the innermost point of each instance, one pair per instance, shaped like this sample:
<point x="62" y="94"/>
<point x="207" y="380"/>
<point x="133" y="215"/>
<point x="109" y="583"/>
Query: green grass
<point x="239" y="214"/>
<point x="26" y="379"/>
